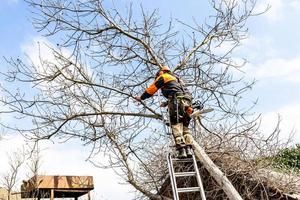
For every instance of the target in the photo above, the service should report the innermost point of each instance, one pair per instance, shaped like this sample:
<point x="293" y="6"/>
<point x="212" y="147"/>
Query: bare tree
<point x="104" y="56"/>
<point x="34" y="161"/>
<point x="10" y="178"/>
<point x="33" y="165"/>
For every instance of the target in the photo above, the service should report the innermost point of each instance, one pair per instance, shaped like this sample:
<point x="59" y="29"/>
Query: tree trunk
<point x="8" y="194"/>
<point x="216" y="173"/>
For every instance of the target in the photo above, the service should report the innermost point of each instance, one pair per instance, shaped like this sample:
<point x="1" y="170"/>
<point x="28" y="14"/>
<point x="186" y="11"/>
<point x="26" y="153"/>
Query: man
<point x="179" y="106"/>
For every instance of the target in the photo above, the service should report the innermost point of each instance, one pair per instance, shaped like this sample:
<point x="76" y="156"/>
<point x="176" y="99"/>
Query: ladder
<point x="174" y="175"/>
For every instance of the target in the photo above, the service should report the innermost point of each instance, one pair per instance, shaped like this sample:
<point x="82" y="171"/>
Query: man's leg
<point x="177" y="130"/>
<point x="187" y="134"/>
<point x="188" y="138"/>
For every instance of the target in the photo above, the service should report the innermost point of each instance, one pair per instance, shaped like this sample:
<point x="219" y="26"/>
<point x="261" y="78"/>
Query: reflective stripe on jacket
<point x="168" y="84"/>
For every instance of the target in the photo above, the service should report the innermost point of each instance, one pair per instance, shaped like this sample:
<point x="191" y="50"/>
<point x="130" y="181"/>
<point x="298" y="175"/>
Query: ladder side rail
<point x="200" y="184"/>
<point x="172" y="178"/>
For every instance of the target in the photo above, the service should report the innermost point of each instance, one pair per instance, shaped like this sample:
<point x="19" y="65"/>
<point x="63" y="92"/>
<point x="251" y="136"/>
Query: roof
<point x="64" y="186"/>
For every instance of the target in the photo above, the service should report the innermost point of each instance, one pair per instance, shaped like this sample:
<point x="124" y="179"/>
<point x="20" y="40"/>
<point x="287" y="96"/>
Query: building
<point x="4" y="195"/>
<point x="41" y="187"/>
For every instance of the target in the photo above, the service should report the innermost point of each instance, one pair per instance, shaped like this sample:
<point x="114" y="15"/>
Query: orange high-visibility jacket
<point x="168" y="84"/>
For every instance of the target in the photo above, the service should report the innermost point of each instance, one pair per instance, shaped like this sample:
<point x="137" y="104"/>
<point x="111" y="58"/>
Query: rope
<point x="164" y="121"/>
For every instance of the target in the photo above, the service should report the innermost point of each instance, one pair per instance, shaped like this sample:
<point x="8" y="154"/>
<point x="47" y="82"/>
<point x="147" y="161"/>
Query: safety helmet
<point x="162" y="70"/>
<point x="165" y="69"/>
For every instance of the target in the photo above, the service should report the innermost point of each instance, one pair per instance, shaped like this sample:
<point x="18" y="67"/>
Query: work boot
<point x="181" y="153"/>
<point x="189" y="151"/>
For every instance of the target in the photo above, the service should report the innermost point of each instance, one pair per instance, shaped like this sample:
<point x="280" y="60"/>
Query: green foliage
<point x="288" y="159"/>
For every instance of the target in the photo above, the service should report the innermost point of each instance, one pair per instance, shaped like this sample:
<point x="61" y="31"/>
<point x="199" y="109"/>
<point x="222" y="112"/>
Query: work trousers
<point x="180" y="120"/>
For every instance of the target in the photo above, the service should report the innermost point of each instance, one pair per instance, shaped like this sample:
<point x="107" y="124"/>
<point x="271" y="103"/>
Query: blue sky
<point x="272" y="49"/>
<point x="15" y="26"/>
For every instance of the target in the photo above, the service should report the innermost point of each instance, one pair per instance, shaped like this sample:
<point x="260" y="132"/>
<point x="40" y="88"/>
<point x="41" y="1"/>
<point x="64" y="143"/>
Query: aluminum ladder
<point x="174" y="175"/>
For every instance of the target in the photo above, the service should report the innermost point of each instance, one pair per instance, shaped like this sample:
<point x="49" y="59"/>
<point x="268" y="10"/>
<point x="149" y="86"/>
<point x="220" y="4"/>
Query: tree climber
<point x="179" y="106"/>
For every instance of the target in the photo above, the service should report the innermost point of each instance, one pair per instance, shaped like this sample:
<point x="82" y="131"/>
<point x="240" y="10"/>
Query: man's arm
<point x="152" y="89"/>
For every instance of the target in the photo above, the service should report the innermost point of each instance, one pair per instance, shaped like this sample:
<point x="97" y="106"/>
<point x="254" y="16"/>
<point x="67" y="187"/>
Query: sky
<point x="272" y="49"/>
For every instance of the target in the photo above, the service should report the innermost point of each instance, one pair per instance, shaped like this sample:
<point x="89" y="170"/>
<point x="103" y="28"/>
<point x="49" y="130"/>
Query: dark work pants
<point x="180" y="121"/>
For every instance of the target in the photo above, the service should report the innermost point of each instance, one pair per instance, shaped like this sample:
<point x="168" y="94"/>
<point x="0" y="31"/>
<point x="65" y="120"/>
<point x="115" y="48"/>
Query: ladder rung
<point x="182" y="159"/>
<point x="189" y="189"/>
<point x="183" y="174"/>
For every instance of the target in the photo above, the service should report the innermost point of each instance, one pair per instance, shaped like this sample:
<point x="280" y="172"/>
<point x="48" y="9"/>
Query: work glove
<point x="138" y="98"/>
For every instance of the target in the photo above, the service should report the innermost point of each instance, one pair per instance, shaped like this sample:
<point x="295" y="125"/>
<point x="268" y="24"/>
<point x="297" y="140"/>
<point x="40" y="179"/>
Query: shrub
<point x="288" y="158"/>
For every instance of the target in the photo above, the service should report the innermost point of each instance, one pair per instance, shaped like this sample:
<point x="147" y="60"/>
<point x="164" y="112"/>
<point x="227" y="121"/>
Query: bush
<point x="288" y="159"/>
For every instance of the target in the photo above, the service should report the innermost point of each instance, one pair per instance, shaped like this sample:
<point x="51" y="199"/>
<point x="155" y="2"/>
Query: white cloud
<point x="39" y="51"/>
<point x="258" y="48"/>
<point x="68" y="159"/>
<point x="46" y="57"/>
<point x="274" y="12"/>
<point x="8" y="144"/>
<point x="278" y="8"/>
<point x="290" y="117"/>
<point x="284" y="69"/>
<point x="295" y="4"/>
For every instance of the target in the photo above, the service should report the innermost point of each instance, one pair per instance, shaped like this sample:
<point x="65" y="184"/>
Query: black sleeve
<point x="158" y="84"/>
<point x="145" y="95"/>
